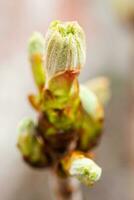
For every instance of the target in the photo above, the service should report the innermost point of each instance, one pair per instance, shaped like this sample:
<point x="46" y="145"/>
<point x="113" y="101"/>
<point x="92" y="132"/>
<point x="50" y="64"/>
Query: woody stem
<point x="65" y="189"/>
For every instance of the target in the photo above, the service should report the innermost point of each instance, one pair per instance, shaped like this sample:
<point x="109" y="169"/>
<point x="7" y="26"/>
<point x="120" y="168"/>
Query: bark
<point x="64" y="188"/>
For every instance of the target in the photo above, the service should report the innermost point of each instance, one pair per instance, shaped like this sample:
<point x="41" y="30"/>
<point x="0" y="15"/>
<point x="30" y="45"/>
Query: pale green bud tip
<point x="85" y="170"/>
<point x="91" y="103"/>
<point x="36" y="44"/>
<point x="26" y="125"/>
<point x="64" y="47"/>
<point x="26" y="130"/>
<point x="66" y="28"/>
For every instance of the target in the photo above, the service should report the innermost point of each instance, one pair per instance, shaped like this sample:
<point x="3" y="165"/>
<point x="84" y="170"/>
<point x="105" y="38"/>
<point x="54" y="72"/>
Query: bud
<point x="36" y="52"/>
<point x="36" y="44"/>
<point x="64" y="48"/>
<point x="30" y="144"/>
<point x="101" y="88"/>
<point x="85" y="170"/>
<point x="91" y="103"/>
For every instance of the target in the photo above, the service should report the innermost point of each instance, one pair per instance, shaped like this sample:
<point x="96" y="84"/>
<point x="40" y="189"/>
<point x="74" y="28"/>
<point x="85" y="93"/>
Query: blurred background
<point x="109" y="28"/>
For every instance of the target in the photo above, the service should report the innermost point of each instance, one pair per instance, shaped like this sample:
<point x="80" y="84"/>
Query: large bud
<point x="64" y="48"/>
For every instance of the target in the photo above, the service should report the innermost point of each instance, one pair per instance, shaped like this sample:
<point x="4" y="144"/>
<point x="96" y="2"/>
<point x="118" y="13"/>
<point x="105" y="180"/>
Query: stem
<point x="64" y="189"/>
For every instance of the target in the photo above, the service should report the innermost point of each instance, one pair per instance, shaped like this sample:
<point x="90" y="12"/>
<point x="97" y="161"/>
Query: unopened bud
<point x="36" y="52"/>
<point x="64" y="47"/>
<point x="85" y="170"/>
<point x="91" y="103"/>
<point x="101" y="88"/>
<point x="36" y="44"/>
<point x="29" y="144"/>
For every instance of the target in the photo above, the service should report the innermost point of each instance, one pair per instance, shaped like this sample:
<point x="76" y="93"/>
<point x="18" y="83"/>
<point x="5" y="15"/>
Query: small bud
<point x="91" y="103"/>
<point x="64" y="47"/>
<point x="101" y="88"/>
<point x="26" y="130"/>
<point x="85" y="170"/>
<point x="36" y="44"/>
<point x="30" y="144"/>
<point x="36" y="52"/>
